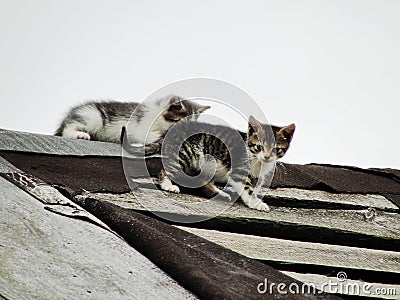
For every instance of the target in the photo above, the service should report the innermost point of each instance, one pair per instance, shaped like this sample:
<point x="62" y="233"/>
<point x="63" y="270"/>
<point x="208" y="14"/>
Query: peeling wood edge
<point x="52" y="199"/>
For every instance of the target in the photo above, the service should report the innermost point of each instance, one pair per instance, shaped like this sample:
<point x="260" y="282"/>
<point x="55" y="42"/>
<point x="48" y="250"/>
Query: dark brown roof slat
<point x="335" y="179"/>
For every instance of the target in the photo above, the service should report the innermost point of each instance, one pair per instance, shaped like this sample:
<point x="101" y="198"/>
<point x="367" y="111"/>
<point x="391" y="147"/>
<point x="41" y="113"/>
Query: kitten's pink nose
<point x="266" y="158"/>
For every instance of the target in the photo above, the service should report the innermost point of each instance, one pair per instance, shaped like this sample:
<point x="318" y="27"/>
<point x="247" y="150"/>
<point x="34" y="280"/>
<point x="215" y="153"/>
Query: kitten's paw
<point x="223" y="196"/>
<point x="171" y="188"/>
<point x="81" y="135"/>
<point x="259" y="205"/>
<point x="262" y="207"/>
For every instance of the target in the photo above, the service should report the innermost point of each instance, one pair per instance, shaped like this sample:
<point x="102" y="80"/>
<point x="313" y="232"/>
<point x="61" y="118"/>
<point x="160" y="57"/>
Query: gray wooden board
<point x="357" y="200"/>
<point x="54" y="201"/>
<point x="384" y="225"/>
<point x="47" y="256"/>
<point x="303" y="195"/>
<point x="348" y="287"/>
<point x="49" y="144"/>
<point x="7" y="167"/>
<point x="265" y="248"/>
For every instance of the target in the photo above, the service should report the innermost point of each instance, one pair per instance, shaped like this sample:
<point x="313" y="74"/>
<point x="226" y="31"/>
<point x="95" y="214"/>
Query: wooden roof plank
<point x="346" y="227"/>
<point x="295" y="196"/>
<point x="7" y="167"/>
<point x="264" y="248"/>
<point x="207" y="269"/>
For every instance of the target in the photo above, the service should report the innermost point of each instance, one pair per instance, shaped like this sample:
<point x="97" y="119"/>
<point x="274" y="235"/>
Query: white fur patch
<point x="167" y="185"/>
<point x="150" y="127"/>
<point x="81" y="130"/>
<point x="92" y="117"/>
<point x="146" y="130"/>
<point x="112" y="131"/>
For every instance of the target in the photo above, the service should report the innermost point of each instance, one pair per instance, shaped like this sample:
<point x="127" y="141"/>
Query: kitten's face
<point x="177" y="109"/>
<point x="262" y="145"/>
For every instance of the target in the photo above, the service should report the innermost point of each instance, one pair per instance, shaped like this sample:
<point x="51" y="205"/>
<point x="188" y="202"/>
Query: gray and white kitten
<point x="222" y="154"/>
<point x="103" y="121"/>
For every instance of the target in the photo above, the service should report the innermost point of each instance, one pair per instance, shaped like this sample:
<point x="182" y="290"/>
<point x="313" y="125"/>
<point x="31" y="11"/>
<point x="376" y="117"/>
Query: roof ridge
<point x="49" y="144"/>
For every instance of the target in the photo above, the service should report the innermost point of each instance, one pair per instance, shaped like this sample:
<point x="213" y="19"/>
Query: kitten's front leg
<point x="166" y="183"/>
<point x="82" y="135"/>
<point x="254" y="202"/>
<point x="75" y="134"/>
<point x="246" y="193"/>
<point x="212" y="191"/>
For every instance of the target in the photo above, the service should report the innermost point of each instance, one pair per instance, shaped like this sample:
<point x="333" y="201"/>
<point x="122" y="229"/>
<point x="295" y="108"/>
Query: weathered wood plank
<point x="47" y="256"/>
<point x="348" y="287"/>
<point x="322" y="197"/>
<point x="54" y="201"/>
<point x="6" y="167"/>
<point x="349" y="227"/>
<point x="306" y="198"/>
<point x="264" y="248"/>
<point x="49" y="144"/>
<point x="209" y="270"/>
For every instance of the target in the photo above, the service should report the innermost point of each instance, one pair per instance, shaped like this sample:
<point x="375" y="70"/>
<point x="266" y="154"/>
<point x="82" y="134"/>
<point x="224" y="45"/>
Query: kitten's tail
<point x="123" y="139"/>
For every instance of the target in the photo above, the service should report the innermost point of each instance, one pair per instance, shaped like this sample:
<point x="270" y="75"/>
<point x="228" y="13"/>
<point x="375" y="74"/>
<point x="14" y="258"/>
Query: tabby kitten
<point x="215" y="155"/>
<point x="103" y="121"/>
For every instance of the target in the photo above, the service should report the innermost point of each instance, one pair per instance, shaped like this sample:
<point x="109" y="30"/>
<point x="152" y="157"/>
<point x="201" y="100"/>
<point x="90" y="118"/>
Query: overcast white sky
<point x="331" y="67"/>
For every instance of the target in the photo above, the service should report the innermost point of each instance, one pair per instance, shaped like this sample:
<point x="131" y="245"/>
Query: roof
<point x="325" y="219"/>
<point x="47" y="256"/>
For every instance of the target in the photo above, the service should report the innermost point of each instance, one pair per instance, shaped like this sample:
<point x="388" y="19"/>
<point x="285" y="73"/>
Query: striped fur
<point x="204" y="154"/>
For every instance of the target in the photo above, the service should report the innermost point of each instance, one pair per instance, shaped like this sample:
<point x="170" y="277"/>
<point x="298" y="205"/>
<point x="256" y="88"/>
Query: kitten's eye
<point x="278" y="151"/>
<point x="175" y="106"/>
<point x="260" y="148"/>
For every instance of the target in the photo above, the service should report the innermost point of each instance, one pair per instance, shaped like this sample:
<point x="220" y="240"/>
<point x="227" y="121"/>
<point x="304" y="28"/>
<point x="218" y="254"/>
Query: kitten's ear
<point x="288" y="131"/>
<point x="174" y="103"/>
<point x="174" y="99"/>
<point x="254" y="126"/>
<point x="200" y="108"/>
